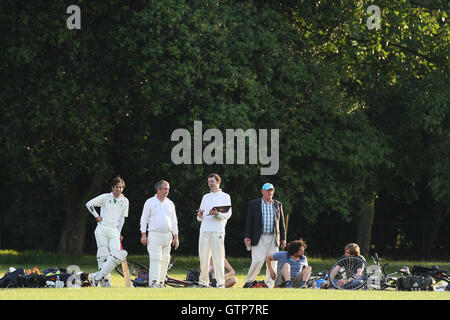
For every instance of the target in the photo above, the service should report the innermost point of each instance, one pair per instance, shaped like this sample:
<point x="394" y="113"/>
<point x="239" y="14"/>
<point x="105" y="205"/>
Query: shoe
<point x="154" y="284"/>
<point x="104" y="283"/>
<point x="94" y="282"/>
<point x="302" y="285"/>
<point x="161" y="285"/>
<point x="249" y="284"/>
<point x="288" y="284"/>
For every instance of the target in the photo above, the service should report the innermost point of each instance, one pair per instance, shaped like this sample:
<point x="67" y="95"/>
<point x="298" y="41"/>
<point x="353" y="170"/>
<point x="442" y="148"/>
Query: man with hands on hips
<point x="114" y="210"/>
<point x="160" y="220"/>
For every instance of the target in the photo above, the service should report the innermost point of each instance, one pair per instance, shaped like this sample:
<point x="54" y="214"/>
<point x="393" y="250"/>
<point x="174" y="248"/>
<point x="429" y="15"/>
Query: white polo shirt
<point x="113" y="209"/>
<point x="211" y="222"/>
<point x="159" y="216"/>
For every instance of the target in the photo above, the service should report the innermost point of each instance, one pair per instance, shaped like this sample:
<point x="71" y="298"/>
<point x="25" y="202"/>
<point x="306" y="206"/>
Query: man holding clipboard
<point x="215" y="210"/>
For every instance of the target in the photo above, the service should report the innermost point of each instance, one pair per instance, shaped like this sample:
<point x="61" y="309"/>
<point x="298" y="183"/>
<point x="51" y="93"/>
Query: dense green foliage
<point x="362" y="113"/>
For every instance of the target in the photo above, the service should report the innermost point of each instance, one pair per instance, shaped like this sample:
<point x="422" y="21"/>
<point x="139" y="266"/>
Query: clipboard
<point x="222" y="209"/>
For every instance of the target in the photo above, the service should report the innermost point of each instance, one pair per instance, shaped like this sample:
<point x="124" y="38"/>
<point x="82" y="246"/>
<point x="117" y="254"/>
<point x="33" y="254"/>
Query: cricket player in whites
<point x="160" y="220"/>
<point x="211" y="242"/>
<point x="114" y="210"/>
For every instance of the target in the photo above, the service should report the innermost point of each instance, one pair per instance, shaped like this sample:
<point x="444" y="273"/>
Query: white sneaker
<point x="154" y="284"/>
<point x="104" y="283"/>
<point x="92" y="279"/>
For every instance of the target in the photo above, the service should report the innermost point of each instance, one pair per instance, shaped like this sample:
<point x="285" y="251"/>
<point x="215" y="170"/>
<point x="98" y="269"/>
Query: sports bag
<point x="20" y="278"/>
<point x="13" y="279"/>
<point x="141" y="280"/>
<point x="194" y="276"/>
<point x="415" y="283"/>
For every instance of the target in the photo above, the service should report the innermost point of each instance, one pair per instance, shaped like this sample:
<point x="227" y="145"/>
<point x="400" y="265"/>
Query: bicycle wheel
<point x="349" y="273"/>
<point x="135" y="268"/>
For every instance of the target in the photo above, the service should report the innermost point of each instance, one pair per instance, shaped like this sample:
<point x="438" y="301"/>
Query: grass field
<point x="44" y="260"/>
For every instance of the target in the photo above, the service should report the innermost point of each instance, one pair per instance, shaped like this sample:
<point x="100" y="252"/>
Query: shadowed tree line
<point x="362" y="116"/>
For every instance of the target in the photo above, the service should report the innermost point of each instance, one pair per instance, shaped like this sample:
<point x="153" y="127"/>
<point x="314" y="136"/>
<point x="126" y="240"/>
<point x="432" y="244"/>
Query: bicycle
<point x="434" y="271"/>
<point x="353" y="273"/>
<point x="140" y="273"/>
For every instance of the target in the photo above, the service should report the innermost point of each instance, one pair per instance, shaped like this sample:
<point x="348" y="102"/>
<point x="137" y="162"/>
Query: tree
<point x="105" y="99"/>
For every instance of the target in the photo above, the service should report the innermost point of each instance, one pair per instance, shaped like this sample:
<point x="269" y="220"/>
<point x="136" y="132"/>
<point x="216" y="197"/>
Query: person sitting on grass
<point x="350" y="250"/>
<point x="293" y="270"/>
<point x="229" y="279"/>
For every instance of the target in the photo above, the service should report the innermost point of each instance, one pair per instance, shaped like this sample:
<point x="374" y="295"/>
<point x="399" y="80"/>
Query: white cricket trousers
<point x="265" y="247"/>
<point x="212" y="244"/>
<point x="158" y="247"/>
<point x="108" y="237"/>
<point x="108" y="240"/>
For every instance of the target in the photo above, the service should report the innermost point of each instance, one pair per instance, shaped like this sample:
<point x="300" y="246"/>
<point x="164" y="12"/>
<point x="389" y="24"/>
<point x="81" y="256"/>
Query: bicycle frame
<point x="385" y="279"/>
<point x="142" y="270"/>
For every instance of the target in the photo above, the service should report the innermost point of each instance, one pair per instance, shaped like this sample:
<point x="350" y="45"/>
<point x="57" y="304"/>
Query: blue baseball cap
<point x="268" y="186"/>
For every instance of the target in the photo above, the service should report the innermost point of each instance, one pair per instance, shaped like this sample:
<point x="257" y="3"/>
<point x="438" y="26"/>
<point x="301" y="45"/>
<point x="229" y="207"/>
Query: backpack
<point x="415" y="283"/>
<point x="141" y="280"/>
<point x="193" y="275"/>
<point x="12" y="279"/>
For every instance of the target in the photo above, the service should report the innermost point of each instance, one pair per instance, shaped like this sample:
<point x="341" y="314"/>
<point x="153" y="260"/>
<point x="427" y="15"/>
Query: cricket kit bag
<point x="141" y="280"/>
<point x="21" y="278"/>
<point x="50" y="278"/>
<point x="415" y="283"/>
<point x="194" y="276"/>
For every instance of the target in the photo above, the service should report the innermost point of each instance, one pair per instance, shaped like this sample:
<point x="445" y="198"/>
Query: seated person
<point x="293" y="270"/>
<point x="229" y="282"/>
<point x="350" y="250"/>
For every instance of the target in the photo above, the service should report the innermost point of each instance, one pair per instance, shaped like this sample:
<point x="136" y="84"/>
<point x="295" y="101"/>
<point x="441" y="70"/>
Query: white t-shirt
<point x="211" y="222"/>
<point x="159" y="216"/>
<point x="114" y="210"/>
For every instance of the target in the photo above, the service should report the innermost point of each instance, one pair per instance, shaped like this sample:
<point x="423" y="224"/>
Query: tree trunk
<point x="72" y="239"/>
<point x="365" y="224"/>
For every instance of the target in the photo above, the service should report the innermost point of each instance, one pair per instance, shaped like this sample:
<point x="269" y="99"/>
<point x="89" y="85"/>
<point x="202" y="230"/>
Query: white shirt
<point x="211" y="222"/>
<point x="113" y="210"/>
<point x="159" y="216"/>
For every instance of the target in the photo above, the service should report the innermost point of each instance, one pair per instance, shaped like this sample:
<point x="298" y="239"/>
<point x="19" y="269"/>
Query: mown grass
<point x="43" y="260"/>
<point x="233" y="294"/>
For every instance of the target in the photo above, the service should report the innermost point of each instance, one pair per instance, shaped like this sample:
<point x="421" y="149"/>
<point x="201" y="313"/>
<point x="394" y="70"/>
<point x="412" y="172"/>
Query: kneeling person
<point x="293" y="270"/>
